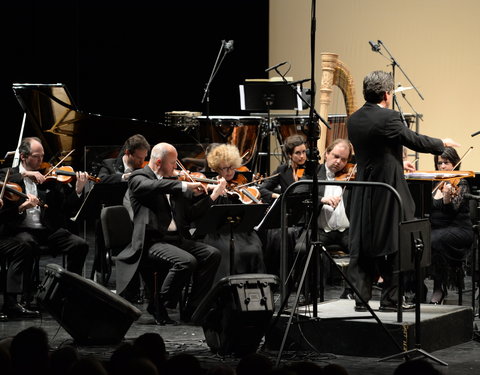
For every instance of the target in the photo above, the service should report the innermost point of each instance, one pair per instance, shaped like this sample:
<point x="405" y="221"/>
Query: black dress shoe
<point x="3" y="318"/>
<point x="160" y="314"/>
<point x="391" y="308"/>
<point x="18" y="312"/>
<point x="360" y="307"/>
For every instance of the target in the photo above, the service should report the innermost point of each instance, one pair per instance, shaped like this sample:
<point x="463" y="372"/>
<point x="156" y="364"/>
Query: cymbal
<point x="401" y="88"/>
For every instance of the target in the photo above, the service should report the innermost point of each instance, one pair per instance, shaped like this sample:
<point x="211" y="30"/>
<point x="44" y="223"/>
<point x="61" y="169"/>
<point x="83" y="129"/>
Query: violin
<point x="65" y="175"/>
<point x="13" y="192"/>
<point x="246" y="194"/>
<point x="348" y="173"/>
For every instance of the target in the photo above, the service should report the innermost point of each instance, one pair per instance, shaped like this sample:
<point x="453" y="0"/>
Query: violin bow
<point x="7" y="175"/>
<point x="60" y="162"/>
<point x="261" y="179"/>
<point x="455" y="166"/>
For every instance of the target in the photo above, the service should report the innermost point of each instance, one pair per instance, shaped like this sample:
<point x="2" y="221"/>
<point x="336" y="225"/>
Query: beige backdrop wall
<point x="436" y="43"/>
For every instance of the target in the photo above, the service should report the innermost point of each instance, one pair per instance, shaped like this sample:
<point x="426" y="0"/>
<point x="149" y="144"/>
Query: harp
<point x="334" y="73"/>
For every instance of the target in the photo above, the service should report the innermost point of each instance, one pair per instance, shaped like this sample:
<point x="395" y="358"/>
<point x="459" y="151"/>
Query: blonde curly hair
<point x="224" y="153"/>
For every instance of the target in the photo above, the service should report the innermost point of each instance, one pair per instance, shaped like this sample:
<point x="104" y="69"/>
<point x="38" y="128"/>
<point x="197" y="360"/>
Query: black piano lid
<point x="54" y="117"/>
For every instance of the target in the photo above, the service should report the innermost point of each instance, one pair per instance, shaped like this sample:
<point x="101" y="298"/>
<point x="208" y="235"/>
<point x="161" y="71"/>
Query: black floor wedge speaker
<point x="236" y="313"/>
<point x="89" y="312"/>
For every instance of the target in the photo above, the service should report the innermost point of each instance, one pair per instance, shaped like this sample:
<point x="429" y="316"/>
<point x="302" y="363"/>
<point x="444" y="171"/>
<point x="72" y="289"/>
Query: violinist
<point x="19" y="258"/>
<point x="333" y="223"/>
<point x="163" y="209"/>
<point x="37" y="226"/>
<point x="286" y="174"/>
<point x="452" y="233"/>
<point x="116" y="171"/>
<point x="224" y="159"/>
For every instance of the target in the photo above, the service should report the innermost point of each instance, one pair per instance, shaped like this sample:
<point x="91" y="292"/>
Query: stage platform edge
<point x="338" y="329"/>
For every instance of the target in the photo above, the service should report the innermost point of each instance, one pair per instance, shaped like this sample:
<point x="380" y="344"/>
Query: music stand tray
<point x="98" y="196"/>
<point x="231" y="218"/>
<point x="410" y="232"/>
<point x="258" y="96"/>
<point x="295" y="210"/>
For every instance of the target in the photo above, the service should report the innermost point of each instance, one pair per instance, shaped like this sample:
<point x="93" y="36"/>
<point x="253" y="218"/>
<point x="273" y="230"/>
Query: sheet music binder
<point x="254" y="96"/>
<point x="101" y="195"/>
<point x="295" y="208"/>
<point x="245" y="215"/>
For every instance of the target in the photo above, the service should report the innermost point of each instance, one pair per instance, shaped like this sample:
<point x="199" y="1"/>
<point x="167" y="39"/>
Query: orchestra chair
<point x="117" y="230"/>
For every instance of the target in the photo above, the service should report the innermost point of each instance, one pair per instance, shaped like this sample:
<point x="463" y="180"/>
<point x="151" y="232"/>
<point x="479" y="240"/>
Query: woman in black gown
<point x="224" y="159"/>
<point x="452" y="233"/>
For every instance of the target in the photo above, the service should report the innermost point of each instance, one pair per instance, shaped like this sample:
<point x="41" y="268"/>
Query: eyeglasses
<point x="226" y="169"/>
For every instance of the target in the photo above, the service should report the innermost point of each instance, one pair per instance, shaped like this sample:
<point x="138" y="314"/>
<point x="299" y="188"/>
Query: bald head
<point x="163" y="159"/>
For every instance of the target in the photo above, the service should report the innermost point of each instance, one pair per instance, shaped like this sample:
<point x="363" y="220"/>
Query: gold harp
<point x="334" y="73"/>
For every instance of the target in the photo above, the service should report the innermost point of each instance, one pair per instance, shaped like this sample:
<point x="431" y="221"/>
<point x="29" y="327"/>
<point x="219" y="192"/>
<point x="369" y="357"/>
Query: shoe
<point x="393" y="308"/>
<point x="360" y="307"/>
<point x="346" y="294"/>
<point x="160" y="314"/>
<point x="438" y="297"/>
<point x="18" y="312"/>
<point x="3" y="318"/>
<point x="187" y="313"/>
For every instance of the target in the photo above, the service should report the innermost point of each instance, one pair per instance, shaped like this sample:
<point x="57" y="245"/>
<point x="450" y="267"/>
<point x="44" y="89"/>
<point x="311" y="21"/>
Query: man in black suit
<point x="131" y="157"/>
<point x="163" y="209"/>
<point x="18" y="259"/>
<point x="378" y="134"/>
<point x="49" y="224"/>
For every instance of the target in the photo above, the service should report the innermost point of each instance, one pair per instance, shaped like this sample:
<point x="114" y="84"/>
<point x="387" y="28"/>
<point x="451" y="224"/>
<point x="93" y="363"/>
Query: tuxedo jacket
<point x="284" y="180"/>
<point x="61" y="199"/>
<point x="111" y="170"/>
<point x="378" y="136"/>
<point x="153" y="214"/>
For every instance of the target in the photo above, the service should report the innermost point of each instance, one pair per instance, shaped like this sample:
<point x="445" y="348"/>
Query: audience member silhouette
<point x="151" y="346"/>
<point x="416" y="367"/>
<point x="183" y="364"/>
<point x="90" y="366"/>
<point x="254" y="364"/>
<point x="29" y="352"/>
<point x="63" y="359"/>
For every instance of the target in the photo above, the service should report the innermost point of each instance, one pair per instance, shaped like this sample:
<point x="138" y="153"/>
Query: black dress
<point x="248" y="248"/>
<point x="451" y="236"/>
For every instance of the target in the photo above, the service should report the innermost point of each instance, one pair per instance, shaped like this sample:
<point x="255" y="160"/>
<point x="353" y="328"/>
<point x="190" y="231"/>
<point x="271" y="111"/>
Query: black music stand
<point x="101" y="195"/>
<point x="295" y="211"/>
<point x="265" y="96"/>
<point x="415" y="253"/>
<point x="231" y="218"/>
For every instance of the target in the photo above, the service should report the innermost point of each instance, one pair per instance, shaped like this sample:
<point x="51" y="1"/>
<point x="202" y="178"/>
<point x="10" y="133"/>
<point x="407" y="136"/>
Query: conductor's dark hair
<point x="450" y="154"/>
<point x="376" y="84"/>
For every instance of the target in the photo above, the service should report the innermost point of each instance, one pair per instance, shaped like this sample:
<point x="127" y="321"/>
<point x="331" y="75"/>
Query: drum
<point x="182" y="120"/>
<point x="242" y="132"/>
<point x="291" y="125"/>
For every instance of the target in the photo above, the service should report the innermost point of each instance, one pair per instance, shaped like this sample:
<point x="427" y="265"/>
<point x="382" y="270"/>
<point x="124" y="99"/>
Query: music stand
<point x="295" y="211"/>
<point x="231" y="218"/>
<point x="101" y="195"/>
<point x="265" y="96"/>
<point x="415" y="253"/>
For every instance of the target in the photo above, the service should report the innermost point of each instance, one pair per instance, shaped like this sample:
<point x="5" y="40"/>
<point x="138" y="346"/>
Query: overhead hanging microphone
<point x="375" y="46"/>
<point x="276" y="66"/>
<point x="228" y="46"/>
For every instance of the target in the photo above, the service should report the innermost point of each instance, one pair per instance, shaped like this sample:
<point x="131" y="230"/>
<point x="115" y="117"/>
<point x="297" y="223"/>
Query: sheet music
<point x="434" y="175"/>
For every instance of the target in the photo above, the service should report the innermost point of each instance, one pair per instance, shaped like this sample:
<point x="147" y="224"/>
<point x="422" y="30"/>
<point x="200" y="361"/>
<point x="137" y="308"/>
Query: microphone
<point x="375" y="47"/>
<point x="228" y="46"/>
<point x="299" y="82"/>
<point x="476" y="133"/>
<point x="276" y="66"/>
<point x="471" y="196"/>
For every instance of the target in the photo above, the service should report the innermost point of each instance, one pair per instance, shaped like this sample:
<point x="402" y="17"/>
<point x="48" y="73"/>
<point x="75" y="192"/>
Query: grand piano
<point x="53" y="116"/>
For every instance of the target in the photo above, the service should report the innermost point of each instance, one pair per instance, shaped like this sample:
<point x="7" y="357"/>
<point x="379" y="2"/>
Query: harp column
<point x="329" y="63"/>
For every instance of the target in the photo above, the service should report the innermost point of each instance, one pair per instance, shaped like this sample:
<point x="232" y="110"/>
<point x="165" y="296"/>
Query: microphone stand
<point x="216" y="67"/>
<point x="395" y="64"/>
<point x="418" y="115"/>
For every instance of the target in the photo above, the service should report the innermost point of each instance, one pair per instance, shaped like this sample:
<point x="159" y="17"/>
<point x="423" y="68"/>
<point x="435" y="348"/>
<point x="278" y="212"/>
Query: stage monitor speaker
<point x="89" y="312"/>
<point x="236" y="313"/>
